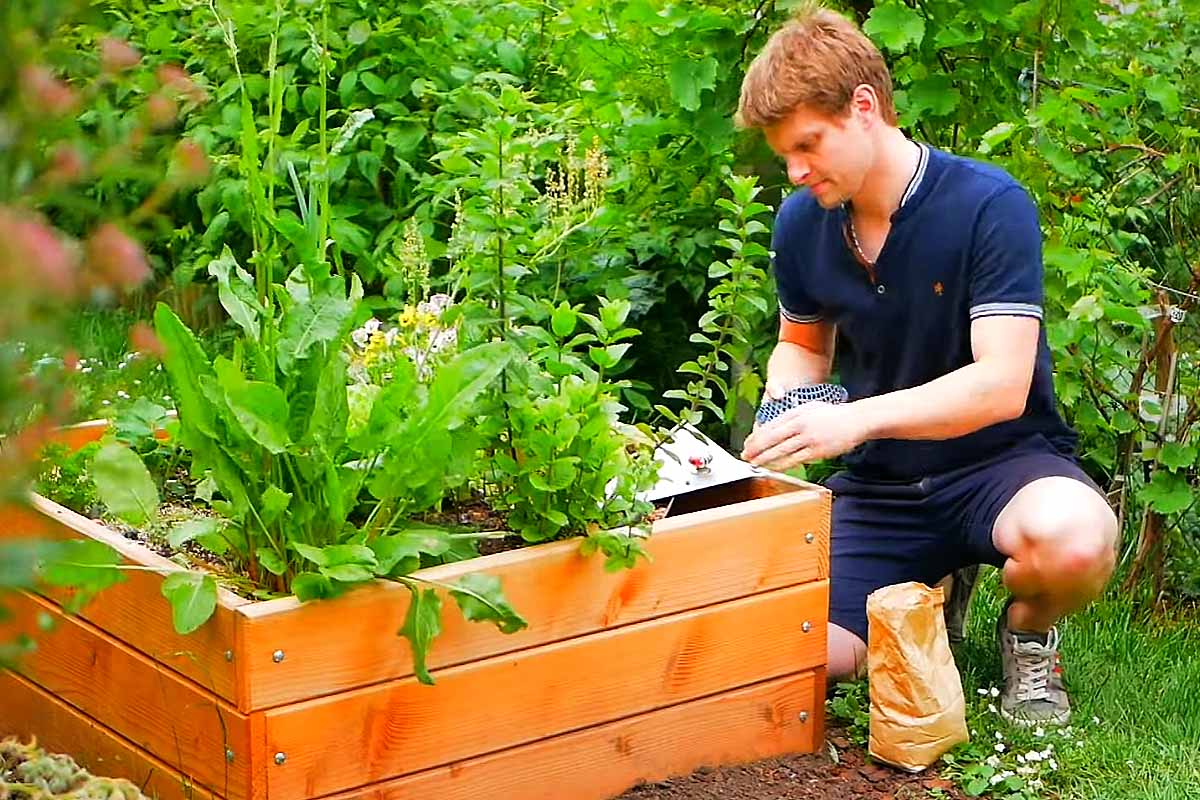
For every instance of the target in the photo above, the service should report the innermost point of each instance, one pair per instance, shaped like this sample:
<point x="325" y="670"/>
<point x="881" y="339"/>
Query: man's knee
<point x="1071" y="541"/>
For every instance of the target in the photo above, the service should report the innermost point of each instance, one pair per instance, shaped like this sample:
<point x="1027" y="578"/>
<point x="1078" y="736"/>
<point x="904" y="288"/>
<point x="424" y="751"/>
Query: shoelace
<point x="1034" y="662"/>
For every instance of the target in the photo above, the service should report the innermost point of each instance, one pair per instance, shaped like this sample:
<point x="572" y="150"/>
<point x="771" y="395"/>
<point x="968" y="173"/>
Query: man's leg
<point x="847" y="655"/>
<point x="1059" y="537"/>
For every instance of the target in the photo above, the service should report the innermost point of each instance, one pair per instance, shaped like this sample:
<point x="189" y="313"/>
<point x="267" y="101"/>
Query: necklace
<point x="907" y="193"/>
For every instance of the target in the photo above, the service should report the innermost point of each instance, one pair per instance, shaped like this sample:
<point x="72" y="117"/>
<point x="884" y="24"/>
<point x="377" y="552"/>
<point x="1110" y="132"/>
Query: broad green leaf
<point x="1177" y="456"/>
<point x="274" y="502"/>
<point x="935" y="95"/>
<point x="193" y="598"/>
<point x="235" y="288"/>
<point x="510" y="57"/>
<point x="348" y="573"/>
<point x="1163" y="91"/>
<point x="422" y="625"/>
<point x="314" y="554"/>
<point x="563" y="320"/>
<point x="124" y="484"/>
<point x="312" y="586"/>
<point x="271" y="561"/>
<point x="482" y="599"/>
<point x="82" y="563"/>
<point x="995" y="136"/>
<point x="331" y="406"/>
<point x="305" y="325"/>
<point x="689" y="77"/>
<point x="454" y="390"/>
<point x="336" y="554"/>
<point x="1168" y="493"/>
<point x="193" y="529"/>
<point x="895" y="26"/>
<point x="139" y="421"/>
<point x="359" y="32"/>
<point x="260" y="408"/>
<point x="392" y="549"/>
<point x="185" y="363"/>
<point x="1086" y="308"/>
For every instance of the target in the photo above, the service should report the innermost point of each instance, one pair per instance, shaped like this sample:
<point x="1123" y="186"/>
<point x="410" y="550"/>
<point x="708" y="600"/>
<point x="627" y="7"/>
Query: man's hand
<point x="809" y="433"/>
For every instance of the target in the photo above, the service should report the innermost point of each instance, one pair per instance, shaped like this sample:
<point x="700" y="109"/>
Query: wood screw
<point x="806" y="627"/>
<point x="810" y="538"/>
<point x="804" y="716"/>
<point x="229" y="754"/>
<point x="280" y="758"/>
<point x="229" y="655"/>
<point x="277" y="656"/>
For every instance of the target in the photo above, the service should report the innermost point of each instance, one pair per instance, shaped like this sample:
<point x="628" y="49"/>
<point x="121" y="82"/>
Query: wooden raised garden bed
<point x="712" y="654"/>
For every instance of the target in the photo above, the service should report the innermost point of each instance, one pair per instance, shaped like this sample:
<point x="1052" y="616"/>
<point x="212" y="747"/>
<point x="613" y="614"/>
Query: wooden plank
<point x="27" y="710"/>
<point x="597" y="763"/>
<point x="135" y="611"/>
<point x="158" y="711"/>
<point x="402" y="726"/>
<point x="723" y="554"/>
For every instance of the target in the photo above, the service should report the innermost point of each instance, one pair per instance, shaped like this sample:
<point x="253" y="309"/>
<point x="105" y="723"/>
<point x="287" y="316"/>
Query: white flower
<point x="981" y="692"/>
<point x="1095" y="720"/>
<point x="390" y="336"/>
<point x="1039" y="732"/>
<point x="993" y="761"/>
<point x="1033" y="755"/>
<point x="1053" y="764"/>
<point x="137" y="383"/>
<point x="122" y="365"/>
<point x="122" y="394"/>
<point x="443" y="339"/>
<point x="104" y="402"/>
<point x="997" y="778"/>
<point x="1020" y="758"/>
<point x="1025" y="770"/>
<point x="1000" y="748"/>
<point x="166" y="398"/>
<point x="436" y="304"/>
<point x="992" y="708"/>
<point x="86" y="369"/>
<point x="994" y="691"/>
<point x="1036" y="783"/>
<point x="999" y="738"/>
<point x="362" y="336"/>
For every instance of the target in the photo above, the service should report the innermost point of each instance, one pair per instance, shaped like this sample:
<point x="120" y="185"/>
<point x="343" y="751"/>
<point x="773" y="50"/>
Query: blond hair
<point x="816" y="60"/>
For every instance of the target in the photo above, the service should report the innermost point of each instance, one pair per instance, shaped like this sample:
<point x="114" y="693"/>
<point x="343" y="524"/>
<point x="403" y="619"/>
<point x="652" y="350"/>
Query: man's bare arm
<point x="994" y="388"/>
<point x="804" y="355"/>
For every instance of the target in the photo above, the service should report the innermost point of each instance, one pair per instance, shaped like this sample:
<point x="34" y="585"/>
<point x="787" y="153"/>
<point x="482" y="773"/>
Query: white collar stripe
<point x="915" y="181"/>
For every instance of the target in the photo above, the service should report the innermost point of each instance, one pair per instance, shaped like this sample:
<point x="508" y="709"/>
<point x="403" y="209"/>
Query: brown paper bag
<point x="917" y="706"/>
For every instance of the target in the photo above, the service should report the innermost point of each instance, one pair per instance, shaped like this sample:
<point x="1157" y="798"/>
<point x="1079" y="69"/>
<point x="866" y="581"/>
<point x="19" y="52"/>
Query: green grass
<point x="111" y="375"/>
<point x="1134" y="681"/>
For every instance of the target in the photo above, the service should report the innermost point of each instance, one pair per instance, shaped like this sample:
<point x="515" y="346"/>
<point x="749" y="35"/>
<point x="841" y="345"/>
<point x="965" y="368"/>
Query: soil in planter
<point x="29" y="773"/>
<point x="851" y="775"/>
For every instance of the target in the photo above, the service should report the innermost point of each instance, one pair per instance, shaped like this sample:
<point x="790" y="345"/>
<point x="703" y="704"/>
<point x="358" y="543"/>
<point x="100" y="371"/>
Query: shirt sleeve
<point x="1006" y="260"/>
<point x="795" y="304"/>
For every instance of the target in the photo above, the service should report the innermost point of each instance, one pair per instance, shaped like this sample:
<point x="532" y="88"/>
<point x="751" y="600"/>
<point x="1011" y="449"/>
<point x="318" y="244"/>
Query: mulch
<point x="818" y="776"/>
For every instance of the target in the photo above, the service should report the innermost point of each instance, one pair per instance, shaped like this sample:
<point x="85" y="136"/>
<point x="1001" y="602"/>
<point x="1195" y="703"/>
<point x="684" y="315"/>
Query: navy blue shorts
<point x="891" y="532"/>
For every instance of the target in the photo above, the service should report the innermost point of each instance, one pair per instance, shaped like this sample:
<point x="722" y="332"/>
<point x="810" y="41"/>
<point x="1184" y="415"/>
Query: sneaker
<point x="1034" y="693"/>
<point x="958" y="604"/>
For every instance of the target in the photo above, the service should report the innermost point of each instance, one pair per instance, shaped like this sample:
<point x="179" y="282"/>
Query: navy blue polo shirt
<point x="964" y="244"/>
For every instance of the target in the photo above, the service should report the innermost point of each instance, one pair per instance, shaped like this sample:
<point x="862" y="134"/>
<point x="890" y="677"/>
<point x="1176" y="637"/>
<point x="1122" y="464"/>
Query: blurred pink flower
<point x="191" y="161"/>
<point x="161" y="110"/>
<point x="142" y="339"/>
<point x="44" y="93"/>
<point x="175" y="78"/>
<point x="116" y="259"/>
<point x="66" y="165"/>
<point x="117" y="55"/>
<point x="31" y="252"/>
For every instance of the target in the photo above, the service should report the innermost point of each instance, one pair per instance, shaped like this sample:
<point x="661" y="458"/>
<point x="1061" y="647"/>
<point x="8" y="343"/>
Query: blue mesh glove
<point x="822" y="392"/>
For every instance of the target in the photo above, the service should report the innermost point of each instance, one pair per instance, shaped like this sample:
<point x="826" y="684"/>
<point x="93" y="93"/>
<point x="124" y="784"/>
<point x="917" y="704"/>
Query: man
<point x="926" y="270"/>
